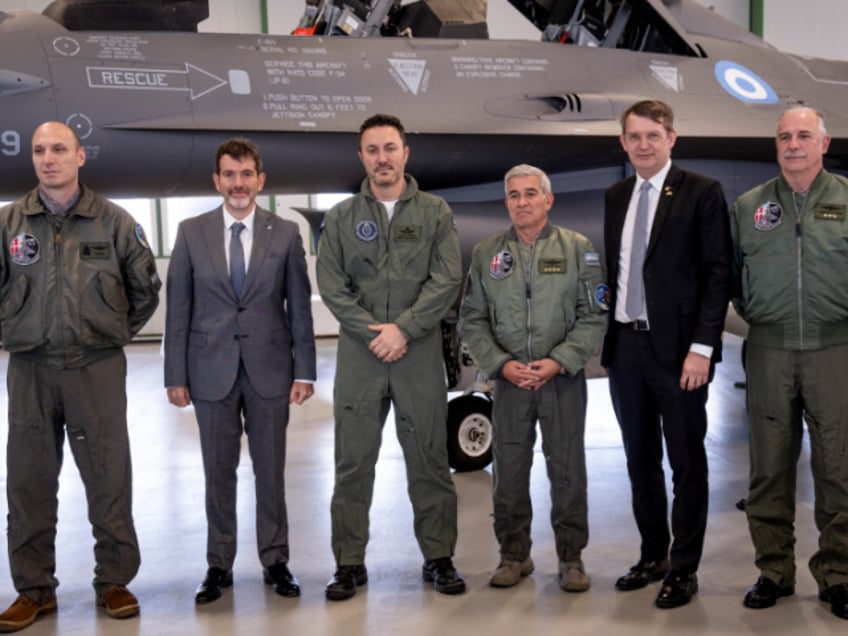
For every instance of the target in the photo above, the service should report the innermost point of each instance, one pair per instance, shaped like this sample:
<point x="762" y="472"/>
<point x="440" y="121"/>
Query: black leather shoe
<point x="765" y="592"/>
<point x="837" y="596"/>
<point x="210" y="590"/>
<point x="284" y="582"/>
<point x="641" y="574"/>
<point x="677" y="589"/>
<point x="344" y="582"/>
<point x="443" y="576"/>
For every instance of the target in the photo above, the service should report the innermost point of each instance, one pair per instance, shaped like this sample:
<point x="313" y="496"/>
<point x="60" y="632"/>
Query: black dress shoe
<point x="677" y="589"/>
<point x="765" y="592"/>
<point x="343" y="584"/>
<point x="641" y="574"/>
<point x="837" y="596"/>
<point x="210" y="590"/>
<point x="284" y="582"/>
<point x="443" y="576"/>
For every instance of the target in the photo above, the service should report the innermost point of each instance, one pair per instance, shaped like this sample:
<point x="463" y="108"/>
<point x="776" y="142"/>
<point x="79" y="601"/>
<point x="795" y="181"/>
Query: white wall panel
<point x="814" y="27"/>
<point x="231" y="16"/>
<point x="736" y="10"/>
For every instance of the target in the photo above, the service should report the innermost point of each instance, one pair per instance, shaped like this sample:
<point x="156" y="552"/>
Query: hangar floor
<point x="171" y="527"/>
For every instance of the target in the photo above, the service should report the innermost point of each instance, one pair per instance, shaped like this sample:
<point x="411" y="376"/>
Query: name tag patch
<point x="830" y="211"/>
<point x="552" y="266"/>
<point x="406" y="233"/>
<point x="95" y="250"/>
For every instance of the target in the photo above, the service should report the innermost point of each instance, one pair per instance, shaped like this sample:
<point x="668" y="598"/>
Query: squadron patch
<point x="24" y="249"/>
<point x="602" y="297"/>
<point x="502" y="265"/>
<point x="139" y="234"/>
<point x="366" y="230"/>
<point x="768" y="216"/>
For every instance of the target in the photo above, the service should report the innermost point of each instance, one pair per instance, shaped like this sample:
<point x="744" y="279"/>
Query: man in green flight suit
<point x="389" y="268"/>
<point x="533" y="314"/>
<point x="791" y="286"/>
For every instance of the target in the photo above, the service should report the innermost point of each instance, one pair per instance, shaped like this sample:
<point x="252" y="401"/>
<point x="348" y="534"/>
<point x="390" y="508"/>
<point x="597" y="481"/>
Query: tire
<point x="469" y="433"/>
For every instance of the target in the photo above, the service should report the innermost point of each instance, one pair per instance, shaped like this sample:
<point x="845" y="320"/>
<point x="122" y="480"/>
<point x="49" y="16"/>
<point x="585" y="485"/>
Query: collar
<point x="57" y="208"/>
<point x="657" y="180"/>
<point x="248" y="221"/>
<point x="544" y="233"/>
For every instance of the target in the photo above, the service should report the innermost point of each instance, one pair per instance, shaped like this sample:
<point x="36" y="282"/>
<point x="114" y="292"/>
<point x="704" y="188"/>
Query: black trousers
<point x="650" y="406"/>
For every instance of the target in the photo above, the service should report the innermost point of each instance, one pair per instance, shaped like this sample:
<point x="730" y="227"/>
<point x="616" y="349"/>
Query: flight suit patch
<point x="830" y="211"/>
<point x="410" y="233"/>
<point x="501" y="265"/>
<point x="602" y="297"/>
<point x="95" y="251"/>
<point x="24" y="249"/>
<point x="552" y="266"/>
<point x="140" y="237"/>
<point x="366" y="230"/>
<point x="768" y="216"/>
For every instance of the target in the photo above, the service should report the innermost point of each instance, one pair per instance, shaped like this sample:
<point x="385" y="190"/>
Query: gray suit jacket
<point x="207" y="330"/>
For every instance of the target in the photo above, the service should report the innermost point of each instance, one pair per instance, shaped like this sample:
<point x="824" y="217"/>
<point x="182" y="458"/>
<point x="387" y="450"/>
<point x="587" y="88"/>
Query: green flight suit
<point x="527" y="303"/>
<point x="791" y="285"/>
<point x="408" y="272"/>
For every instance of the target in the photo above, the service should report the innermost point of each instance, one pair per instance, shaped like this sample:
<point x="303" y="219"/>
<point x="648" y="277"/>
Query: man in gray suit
<point x="239" y="345"/>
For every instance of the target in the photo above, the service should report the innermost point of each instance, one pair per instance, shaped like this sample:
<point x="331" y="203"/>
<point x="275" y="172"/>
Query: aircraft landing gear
<point x="469" y="432"/>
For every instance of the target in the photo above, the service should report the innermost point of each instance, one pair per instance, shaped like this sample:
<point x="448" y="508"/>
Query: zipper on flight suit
<point x="799" y="253"/>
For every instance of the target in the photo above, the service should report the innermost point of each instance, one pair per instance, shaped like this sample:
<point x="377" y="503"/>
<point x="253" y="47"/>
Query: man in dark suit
<point x="667" y="247"/>
<point x="239" y="345"/>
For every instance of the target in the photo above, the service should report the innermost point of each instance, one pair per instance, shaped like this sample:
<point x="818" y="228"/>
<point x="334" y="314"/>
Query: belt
<point x="633" y="325"/>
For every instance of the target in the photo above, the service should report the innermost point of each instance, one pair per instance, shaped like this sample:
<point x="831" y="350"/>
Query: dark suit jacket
<point x="687" y="265"/>
<point x="207" y="330"/>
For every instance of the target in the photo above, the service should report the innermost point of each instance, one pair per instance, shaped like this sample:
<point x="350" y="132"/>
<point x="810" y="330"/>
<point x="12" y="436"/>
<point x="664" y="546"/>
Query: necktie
<point x="236" y="258"/>
<point x="635" y="283"/>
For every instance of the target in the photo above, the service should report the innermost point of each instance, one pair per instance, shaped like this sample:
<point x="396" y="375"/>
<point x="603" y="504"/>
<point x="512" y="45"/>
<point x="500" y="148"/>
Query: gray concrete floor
<point x="168" y="491"/>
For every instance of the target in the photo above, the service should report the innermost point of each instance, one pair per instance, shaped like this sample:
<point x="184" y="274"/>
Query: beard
<point x="239" y="199"/>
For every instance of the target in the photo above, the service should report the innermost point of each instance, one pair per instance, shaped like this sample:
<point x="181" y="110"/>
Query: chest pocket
<point x="410" y="245"/>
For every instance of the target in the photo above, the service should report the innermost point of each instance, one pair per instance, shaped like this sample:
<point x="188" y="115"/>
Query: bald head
<point x="802" y="142"/>
<point x="57" y="156"/>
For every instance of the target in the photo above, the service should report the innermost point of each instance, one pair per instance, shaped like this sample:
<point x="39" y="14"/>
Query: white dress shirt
<point x="246" y="236"/>
<point x="657" y="182"/>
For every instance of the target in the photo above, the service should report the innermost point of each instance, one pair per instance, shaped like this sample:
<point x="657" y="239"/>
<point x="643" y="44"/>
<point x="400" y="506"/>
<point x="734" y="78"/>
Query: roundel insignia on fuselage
<point x="743" y="84"/>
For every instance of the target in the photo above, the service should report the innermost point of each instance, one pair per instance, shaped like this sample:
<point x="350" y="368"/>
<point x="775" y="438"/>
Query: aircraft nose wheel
<point x="469" y="432"/>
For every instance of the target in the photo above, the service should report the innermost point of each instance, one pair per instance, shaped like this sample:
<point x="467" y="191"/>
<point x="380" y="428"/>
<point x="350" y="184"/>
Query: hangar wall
<point x="813" y="32"/>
